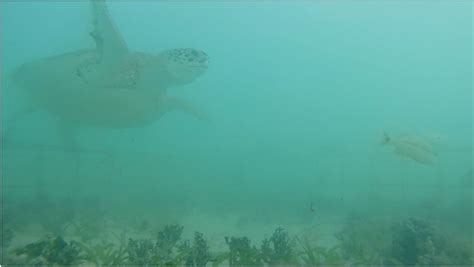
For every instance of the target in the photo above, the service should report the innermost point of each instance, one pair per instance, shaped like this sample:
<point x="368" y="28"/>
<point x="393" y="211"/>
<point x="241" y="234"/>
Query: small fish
<point x="413" y="147"/>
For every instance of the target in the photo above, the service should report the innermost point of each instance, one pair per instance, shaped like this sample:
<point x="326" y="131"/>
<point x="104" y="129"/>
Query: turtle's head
<point x="183" y="65"/>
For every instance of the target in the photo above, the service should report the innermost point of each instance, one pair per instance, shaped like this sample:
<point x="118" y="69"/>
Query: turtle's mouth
<point x="200" y="65"/>
<point x="204" y="63"/>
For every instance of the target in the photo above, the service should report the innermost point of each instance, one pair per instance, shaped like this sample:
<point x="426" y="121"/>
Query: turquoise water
<point x="348" y="125"/>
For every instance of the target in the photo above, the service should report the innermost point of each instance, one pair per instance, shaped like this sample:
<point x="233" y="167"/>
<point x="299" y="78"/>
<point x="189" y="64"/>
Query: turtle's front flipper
<point x="108" y="39"/>
<point x="173" y="103"/>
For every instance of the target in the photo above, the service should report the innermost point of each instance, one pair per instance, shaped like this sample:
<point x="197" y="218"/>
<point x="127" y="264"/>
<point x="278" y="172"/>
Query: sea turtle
<point x="108" y="86"/>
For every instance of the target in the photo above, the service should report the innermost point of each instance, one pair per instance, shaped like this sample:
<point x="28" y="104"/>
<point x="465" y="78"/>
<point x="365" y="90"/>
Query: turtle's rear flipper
<point x="173" y="103"/>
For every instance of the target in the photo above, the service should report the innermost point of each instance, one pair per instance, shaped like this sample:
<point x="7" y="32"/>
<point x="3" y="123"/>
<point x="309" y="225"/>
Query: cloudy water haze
<point x="320" y="132"/>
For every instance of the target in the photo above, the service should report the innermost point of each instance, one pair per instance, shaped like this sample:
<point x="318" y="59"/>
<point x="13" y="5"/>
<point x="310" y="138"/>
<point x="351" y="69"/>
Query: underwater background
<point x="299" y="96"/>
